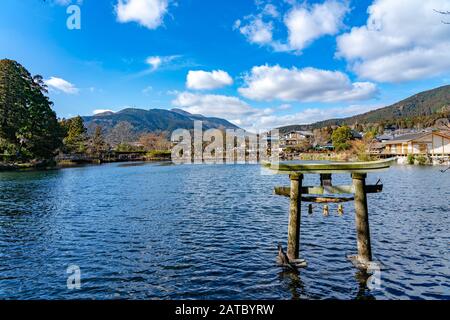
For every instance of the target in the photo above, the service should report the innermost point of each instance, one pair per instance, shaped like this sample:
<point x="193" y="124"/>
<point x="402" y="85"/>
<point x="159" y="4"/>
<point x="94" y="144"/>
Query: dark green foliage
<point x="341" y="138"/>
<point x="28" y="126"/>
<point x="125" y="147"/>
<point x="97" y="145"/>
<point x="76" y="139"/>
<point x="15" y="94"/>
<point x="158" y="154"/>
<point x="422" y="160"/>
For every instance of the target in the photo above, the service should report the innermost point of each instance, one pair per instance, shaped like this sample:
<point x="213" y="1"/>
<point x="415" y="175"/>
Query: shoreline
<point x="63" y="164"/>
<point x="54" y="165"/>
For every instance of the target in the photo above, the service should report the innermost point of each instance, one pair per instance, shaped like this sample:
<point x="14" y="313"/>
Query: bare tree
<point x="443" y="123"/>
<point x="446" y="13"/>
<point x="154" y="141"/>
<point x="123" y="132"/>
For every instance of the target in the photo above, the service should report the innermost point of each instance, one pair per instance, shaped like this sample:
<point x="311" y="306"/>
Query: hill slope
<point x="154" y="120"/>
<point x="423" y="104"/>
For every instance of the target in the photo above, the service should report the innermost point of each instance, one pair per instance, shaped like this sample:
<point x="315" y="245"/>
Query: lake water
<point x="155" y="231"/>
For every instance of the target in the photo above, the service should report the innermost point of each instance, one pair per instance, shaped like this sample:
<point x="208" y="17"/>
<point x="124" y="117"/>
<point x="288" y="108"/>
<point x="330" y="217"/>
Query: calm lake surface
<point x="154" y="231"/>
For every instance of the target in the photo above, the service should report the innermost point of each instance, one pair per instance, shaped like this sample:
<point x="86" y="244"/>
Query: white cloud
<point x="254" y="119"/>
<point x="99" y="111"/>
<point x="148" y="13"/>
<point x="203" y="80"/>
<point x="147" y="90"/>
<point x="256" y="31"/>
<point x="93" y="90"/>
<point x="306" y="24"/>
<point x="306" y="85"/>
<point x="402" y="40"/>
<point x="67" y="2"/>
<point x="231" y="108"/>
<point x="61" y="85"/>
<point x="213" y="105"/>
<point x="284" y="107"/>
<point x="271" y="10"/>
<point x="307" y="116"/>
<point x="156" y="62"/>
<point x="303" y="24"/>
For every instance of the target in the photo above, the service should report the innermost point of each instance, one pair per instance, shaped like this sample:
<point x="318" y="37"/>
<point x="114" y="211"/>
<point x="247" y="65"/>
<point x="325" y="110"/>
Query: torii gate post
<point x="295" y="216"/>
<point x="298" y="193"/>
<point x="362" y="218"/>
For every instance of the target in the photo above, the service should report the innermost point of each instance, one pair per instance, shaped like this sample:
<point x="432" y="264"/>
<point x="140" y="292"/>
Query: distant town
<point x="425" y="146"/>
<point x="416" y="130"/>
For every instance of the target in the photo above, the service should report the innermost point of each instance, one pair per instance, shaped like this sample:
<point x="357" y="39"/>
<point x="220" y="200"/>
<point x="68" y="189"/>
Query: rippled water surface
<point x="210" y="232"/>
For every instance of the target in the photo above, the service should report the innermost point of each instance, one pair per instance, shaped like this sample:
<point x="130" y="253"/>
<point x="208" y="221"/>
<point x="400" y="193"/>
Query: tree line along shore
<point x="32" y="136"/>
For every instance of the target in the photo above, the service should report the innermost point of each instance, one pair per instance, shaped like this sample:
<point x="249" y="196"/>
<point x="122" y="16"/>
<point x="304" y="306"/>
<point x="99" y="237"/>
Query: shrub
<point x="341" y="138"/>
<point x="158" y="154"/>
<point x="411" y="159"/>
<point x="422" y="160"/>
<point x="125" y="147"/>
<point x="359" y="150"/>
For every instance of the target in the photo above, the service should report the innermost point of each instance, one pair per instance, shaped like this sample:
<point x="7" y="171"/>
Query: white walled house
<point x="436" y="143"/>
<point x="295" y="137"/>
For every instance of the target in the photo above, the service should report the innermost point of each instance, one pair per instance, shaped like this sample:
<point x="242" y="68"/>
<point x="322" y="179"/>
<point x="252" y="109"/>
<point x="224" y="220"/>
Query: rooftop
<point x="414" y="136"/>
<point x="409" y="137"/>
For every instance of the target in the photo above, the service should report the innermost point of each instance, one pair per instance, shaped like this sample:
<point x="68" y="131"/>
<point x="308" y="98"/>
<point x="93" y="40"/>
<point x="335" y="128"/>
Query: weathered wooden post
<point x="362" y="218"/>
<point x="294" y="216"/>
<point x="327" y="193"/>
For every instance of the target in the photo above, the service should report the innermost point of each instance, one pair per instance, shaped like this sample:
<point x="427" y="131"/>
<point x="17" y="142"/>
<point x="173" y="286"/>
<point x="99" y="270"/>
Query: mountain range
<point x="424" y="104"/>
<point x="154" y="120"/>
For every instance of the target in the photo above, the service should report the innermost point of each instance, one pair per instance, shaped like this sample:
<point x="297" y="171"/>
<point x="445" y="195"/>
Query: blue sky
<point x="257" y="63"/>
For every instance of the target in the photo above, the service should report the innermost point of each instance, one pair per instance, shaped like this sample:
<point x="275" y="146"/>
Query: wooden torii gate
<point x="326" y="193"/>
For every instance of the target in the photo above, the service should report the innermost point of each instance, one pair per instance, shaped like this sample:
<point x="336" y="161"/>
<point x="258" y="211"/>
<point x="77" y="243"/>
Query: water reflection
<point x="364" y="293"/>
<point x="292" y="281"/>
<point x="186" y="232"/>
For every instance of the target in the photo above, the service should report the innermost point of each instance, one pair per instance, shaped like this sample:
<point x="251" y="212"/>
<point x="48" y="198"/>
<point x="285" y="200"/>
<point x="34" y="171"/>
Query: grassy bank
<point x="158" y="155"/>
<point x="74" y="162"/>
<point x="32" y="165"/>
